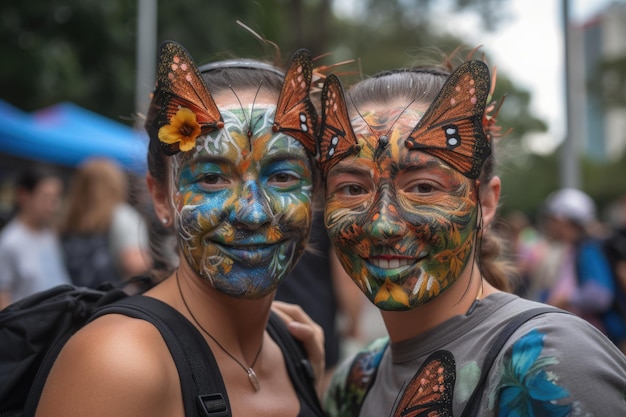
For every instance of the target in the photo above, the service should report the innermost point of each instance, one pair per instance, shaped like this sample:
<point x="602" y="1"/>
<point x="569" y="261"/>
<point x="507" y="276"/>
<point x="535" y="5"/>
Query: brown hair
<point x="96" y="188"/>
<point x="423" y="86"/>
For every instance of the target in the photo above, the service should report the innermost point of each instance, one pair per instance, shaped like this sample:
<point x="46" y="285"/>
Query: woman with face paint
<point x="407" y="164"/>
<point x="231" y="171"/>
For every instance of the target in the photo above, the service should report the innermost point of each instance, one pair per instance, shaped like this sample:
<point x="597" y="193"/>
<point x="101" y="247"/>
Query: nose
<point x="252" y="210"/>
<point x="385" y="223"/>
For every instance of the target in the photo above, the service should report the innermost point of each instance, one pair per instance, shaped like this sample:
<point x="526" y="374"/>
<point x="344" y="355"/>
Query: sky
<point x="529" y="48"/>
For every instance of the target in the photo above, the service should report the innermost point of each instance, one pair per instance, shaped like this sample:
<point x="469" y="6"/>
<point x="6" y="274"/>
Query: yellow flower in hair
<point x="183" y="129"/>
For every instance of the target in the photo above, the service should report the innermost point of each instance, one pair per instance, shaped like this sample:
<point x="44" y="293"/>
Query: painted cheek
<point x="346" y="234"/>
<point x="293" y="209"/>
<point x="441" y="224"/>
<point x="348" y="251"/>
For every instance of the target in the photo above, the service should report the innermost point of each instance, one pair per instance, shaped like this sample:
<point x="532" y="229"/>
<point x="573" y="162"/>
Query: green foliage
<point x="84" y="51"/>
<point x="527" y="179"/>
<point x="74" y="50"/>
<point x="604" y="181"/>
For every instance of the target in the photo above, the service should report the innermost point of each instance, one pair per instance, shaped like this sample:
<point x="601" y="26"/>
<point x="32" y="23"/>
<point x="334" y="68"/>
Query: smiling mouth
<point x="256" y="253"/>
<point x="395" y="262"/>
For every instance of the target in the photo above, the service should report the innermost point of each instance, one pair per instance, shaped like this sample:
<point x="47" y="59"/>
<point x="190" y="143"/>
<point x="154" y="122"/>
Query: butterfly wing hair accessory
<point x="336" y="139"/>
<point x="295" y="113"/>
<point x="452" y="127"/>
<point x="180" y="86"/>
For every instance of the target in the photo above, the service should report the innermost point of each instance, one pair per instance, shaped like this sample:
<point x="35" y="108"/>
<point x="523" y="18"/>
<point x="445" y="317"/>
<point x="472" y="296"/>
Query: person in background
<point x="616" y="252"/>
<point x="30" y="254"/>
<point x="522" y="242"/>
<point x="104" y="239"/>
<point x="231" y="171"/>
<point x="408" y="165"/>
<point x="585" y="284"/>
<point x="325" y="292"/>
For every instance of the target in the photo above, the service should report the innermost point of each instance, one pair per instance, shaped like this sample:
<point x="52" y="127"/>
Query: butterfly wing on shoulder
<point x="295" y="113"/>
<point x="452" y="129"/>
<point x="430" y="391"/>
<point x="336" y="139"/>
<point x="179" y="84"/>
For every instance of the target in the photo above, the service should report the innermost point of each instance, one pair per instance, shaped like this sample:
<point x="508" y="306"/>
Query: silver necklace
<point x="251" y="374"/>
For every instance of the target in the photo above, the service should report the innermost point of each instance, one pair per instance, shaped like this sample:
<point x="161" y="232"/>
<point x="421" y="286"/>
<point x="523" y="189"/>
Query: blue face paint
<point x="243" y="204"/>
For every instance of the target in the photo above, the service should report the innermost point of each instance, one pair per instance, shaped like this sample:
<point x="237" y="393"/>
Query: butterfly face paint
<point x="243" y="204"/>
<point x="402" y="221"/>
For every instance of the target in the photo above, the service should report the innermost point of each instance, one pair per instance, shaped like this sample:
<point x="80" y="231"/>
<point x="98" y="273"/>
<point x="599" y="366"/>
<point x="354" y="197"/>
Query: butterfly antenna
<point x="360" y="115"/>
<point x="239" y="101"/>
<point x="262" y="39"/>
<point x="245" y="119"/>
<point x="383" y="140"/>
<point x="360" y="67"/>
<point x="471" y="53"/>
<point x="494" y="75"/>
<point x="399" y="115"/>
<point x="250" y="127"/>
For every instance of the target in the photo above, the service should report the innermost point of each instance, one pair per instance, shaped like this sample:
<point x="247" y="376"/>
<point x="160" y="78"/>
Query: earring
<point x="165" y="220"/>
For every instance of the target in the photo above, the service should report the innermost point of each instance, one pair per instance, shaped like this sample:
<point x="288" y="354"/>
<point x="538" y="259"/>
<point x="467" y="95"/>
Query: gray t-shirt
<point x="30" y="261"/>
<point x="553" y="365"/>
<point x="128" y="231"/>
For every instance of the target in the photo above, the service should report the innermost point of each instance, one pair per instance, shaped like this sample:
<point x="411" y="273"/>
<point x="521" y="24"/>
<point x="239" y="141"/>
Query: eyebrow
<point x="277" y="157"/>
<point x="429" y="163"/>
<point x="212" y="159"/>
<point x="352" y="170"/>
<point x="283" y="157"/>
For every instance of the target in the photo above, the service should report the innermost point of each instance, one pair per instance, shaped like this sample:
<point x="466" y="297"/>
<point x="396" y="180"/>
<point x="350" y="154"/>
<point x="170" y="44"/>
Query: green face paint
<point x="243" y="203"/>
<point x="402" y="222"/>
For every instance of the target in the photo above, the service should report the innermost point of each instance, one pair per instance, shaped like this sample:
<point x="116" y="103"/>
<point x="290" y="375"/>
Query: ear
<point x="160" y="199"/>
<point x="489" y="198"/>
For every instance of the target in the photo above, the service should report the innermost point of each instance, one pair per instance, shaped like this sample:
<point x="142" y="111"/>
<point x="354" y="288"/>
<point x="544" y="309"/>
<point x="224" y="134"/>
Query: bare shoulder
<point x="114" y="366"/>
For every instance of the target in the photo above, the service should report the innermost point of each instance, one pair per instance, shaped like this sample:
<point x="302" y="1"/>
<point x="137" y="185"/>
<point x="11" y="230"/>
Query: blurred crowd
<point x="93" y="230"/>
<point x="84" y="232"/>
<point x="571" y="259"/>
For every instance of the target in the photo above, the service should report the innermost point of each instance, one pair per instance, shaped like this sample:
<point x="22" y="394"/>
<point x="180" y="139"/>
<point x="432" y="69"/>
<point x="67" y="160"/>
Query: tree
<point x="84" y="50"/>
<point x="74" y="50"/>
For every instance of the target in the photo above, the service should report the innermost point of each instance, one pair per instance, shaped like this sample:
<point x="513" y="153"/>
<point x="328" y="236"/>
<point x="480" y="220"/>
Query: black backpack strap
<point x="472" y="406"/>
<point x="203" y="390"/>
<point x="298" y="365"/>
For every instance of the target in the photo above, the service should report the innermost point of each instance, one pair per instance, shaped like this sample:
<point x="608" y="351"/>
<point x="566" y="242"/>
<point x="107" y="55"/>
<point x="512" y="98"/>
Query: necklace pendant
<point x="253" y="379"/>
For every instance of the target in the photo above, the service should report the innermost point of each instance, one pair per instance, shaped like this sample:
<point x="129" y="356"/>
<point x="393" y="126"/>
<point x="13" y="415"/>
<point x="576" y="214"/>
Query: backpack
<point x="88" y="259"/>
<point x="366" y="380"/>
<point x="34" y="330"/>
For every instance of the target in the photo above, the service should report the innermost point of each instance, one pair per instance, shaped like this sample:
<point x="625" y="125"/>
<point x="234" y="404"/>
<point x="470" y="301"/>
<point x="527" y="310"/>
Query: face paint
<point x="243" y="203"/>
<point x="402" y="222"/>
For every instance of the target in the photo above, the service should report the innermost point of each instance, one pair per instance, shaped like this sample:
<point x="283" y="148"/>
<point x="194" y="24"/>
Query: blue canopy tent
<point x="66" y="134"/>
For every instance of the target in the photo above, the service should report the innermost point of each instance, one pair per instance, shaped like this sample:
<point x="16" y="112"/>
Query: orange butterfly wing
<point x="295" y="113"/>
<point x="336" y="139"/>
<point x="179" y="84"/>
<point x="431" y="390"/>
<point x="452" y="129"/>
